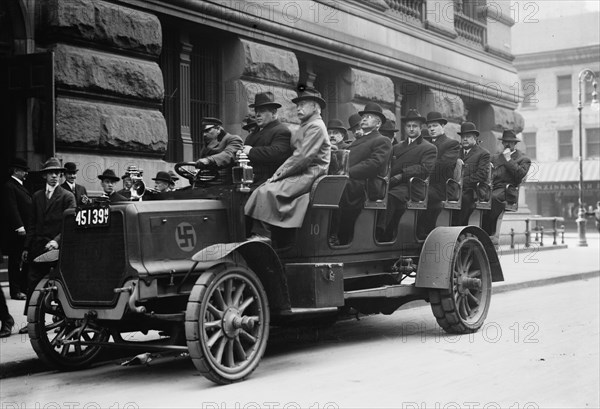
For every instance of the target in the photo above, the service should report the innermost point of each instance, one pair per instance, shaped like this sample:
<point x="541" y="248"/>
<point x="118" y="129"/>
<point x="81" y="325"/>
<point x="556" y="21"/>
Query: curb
<point x="35" y="365"/>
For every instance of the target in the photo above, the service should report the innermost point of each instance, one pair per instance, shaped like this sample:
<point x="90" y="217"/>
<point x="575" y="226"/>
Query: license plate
<point x="97" y="215"/>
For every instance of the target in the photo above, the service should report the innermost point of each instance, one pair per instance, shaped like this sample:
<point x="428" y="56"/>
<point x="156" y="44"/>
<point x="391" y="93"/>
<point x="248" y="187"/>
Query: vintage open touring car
<point x="183" y="266"/>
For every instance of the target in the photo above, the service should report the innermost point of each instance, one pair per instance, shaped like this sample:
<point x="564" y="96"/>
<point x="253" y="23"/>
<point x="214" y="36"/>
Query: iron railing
<point x="534" y="227"/>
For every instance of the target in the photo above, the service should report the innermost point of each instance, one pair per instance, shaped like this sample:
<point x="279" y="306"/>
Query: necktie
<point x="47" y="194"/>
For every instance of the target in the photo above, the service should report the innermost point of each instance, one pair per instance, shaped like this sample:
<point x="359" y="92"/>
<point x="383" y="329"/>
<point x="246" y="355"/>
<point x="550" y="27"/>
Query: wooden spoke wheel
<point x="463" y="307"/>
<point x="50" y="331"/>
<point x="227" y="324"/>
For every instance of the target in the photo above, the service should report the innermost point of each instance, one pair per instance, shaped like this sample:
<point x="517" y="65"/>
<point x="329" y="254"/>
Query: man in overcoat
<point x="270" y="146"/>
<point x="219" y="150"/>
<point x="413" y="157"/>
<point x="369" y="158"/>
<point x="108" y="180"/>
<point x="447" y="154"/>
<point x="476" y="169"/>
<point x="69" y="184"/>
<point x="17" y="212"/>
<point x="508" y="167"/>
<point x="282" y="201"/>
<point x="45" y="226"/>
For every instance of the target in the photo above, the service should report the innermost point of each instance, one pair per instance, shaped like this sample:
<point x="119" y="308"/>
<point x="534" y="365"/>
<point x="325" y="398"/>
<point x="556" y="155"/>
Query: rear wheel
<point x="463" y="307"/>
<point x="227" y="324"/>
<point x="50" y="331"/>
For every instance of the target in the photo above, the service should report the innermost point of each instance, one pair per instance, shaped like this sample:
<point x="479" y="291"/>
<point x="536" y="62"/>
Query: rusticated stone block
<point x="270" y="63"/>
<point x="372" y="87"/>
<point x="84" y="69"/>
<point x="451" y="106"/>
<point x="104" y="23"/>
<point x="98" y="125"/>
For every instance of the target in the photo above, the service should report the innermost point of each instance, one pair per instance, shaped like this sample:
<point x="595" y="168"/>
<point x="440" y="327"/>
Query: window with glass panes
<point x="529" y="88"/>
<point x="565" y="144"/>
<point x="592" y="142"/>
<point x="530" y="145"/>
<point x="564" y="90"/>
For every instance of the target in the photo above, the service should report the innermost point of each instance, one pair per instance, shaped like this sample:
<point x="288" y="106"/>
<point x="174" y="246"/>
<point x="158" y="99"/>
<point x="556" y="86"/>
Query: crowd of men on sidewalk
<point x="285" y="167"/>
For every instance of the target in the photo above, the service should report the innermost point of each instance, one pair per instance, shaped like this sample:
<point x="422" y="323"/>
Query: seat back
<point x="327" y="190"/>
<point x="512" y="198"/>
<point x="454" y="188"/>
<point x="339" y="163"/>
<point x="377" y="189"/>
<point x="418" y="193"/>
<point x="483" y="192"/>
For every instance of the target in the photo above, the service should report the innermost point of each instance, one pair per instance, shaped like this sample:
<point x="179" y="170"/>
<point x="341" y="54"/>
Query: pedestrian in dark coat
<point x="45" y="224"/>
<point x="17" y="212"/>
<point x="79" y="191"/>
<point x="369" y="158"/>
<point x="413" y="157"/>
<point x="476" y="169"/>
<point x="447" y="155"/>
<point x="268" y="148"/>
<point x="508" y="167"/>
<point x="282" y="201"/>
<point x="108" y="180"/>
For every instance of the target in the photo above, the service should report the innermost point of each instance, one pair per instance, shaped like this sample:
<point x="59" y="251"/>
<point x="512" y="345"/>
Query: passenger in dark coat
<point x="369" y="158"/>
<point x="79" y="191"/>
<point x="414" y="157"/>
<point x="447" y="154"/>
<point x="108" y="179"/>
<point x="508" y="167"/>
<point x="268" y="148"/>
<point x="17" y="206"/>
<point x="219" y="151"/>
<point x="476" y="169"/>
<point x="45" y="225"/>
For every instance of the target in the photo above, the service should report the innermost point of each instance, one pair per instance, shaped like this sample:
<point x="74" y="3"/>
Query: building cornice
<point x="556" y="58"/>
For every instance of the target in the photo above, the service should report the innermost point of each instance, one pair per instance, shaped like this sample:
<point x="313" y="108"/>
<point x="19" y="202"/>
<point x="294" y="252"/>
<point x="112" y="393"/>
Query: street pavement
<point x="522" y="268"/>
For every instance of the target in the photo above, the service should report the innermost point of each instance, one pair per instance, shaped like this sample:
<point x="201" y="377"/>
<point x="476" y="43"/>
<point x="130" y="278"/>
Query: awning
<point x="567" y="171"/>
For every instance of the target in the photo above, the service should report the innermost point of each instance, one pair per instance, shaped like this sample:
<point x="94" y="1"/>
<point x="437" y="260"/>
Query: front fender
<point x="435" y="261"/>
<point x="260" y="257"/>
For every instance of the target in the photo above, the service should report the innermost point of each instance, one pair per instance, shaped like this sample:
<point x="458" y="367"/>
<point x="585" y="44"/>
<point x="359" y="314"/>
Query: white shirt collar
<point x="71" y="185"/>
<point x="50" y="189"/>
<point x="17" y="179"/>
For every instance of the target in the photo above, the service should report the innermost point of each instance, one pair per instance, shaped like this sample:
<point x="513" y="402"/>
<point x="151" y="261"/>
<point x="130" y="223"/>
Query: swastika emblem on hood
<point x="185" y="236"/>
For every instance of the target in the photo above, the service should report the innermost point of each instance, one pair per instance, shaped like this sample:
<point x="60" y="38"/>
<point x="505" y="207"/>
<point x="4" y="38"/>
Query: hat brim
<point x="163" y="180"/>
<point x="379" y="114"/>
<point x="440" y="120"/>
<point x="318" y="100"/>
<point x="53" y="168"/>
<point x="249" y="126"/>
<point x="26" y="168"/>
<point x="339" y="128"/>
<point x="476" y="132"/>
<point x="417" y="118"/>
<point x="113" y="178"/>
<point x="265" y="104"/>
<point x="509" y="139"/>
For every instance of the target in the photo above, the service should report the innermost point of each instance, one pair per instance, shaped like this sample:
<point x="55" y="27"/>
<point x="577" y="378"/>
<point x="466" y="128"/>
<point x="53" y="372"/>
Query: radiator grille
<point x="92" y="261"/>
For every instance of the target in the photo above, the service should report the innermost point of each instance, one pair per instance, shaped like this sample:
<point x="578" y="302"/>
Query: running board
<point x="388" y="291"/>
<point x="130" y="345"/>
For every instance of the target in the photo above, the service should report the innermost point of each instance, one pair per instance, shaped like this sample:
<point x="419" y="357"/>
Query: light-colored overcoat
<point x="283" y="200"/>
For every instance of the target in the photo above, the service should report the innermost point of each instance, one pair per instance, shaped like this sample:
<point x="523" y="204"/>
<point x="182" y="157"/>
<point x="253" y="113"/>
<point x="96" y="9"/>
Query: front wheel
<point x="51" y="333"/>
<point x="227" y="324"/>
<point x="463" y="307"/>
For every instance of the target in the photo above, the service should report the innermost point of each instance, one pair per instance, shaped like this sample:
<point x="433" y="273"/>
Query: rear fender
<point x="260" y="258"/>
<point x="435" y="261"/>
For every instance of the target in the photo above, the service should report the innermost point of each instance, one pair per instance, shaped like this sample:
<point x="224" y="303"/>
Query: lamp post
<point x="587" y="75"/>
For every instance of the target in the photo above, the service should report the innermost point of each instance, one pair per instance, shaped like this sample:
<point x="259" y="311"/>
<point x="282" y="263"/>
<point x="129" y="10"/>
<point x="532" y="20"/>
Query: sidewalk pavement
<point x="523" y="268"/>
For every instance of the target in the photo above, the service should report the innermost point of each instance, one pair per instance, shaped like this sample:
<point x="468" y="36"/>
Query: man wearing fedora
<point x="369" y="157"/>
<point x="17" y="211"/>
<point x="476" y="168"/>
<point x="270" y="146"/>
<point x="79" y="191"/>
<point x="508" y="167"/>
<point x="447" y="155"/>
<point x="282" y="201"/>
<point x="220" y="147"/>
<point x="127" y="183"/>
<point x="389" y="130"/>
<point x="45" y="225"/>
<point x="337" y="134"/>
<point x="108" y="180"/>
<point x="413" y="157"/>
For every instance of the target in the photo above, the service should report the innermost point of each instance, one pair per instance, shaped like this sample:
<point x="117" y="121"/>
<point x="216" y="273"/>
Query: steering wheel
<point x="194" y="175"/>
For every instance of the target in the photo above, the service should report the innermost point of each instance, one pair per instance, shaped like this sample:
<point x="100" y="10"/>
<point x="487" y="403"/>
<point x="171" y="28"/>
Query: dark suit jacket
<point x="410" y="160"/>
<point x="270" y="148"/>
<point x="369" y="158"/>
<point x="477" y="165"/>
<point x="46" y="219"/>
<point x="117" y="197"/>
<point x="79" y="192"/>
<point x="447" y="154"/>
<point x="506" y="172"/>
<point x="17" y="206"/>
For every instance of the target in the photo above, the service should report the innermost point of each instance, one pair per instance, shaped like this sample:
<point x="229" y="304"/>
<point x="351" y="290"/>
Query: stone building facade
<point x="109" y="83"/>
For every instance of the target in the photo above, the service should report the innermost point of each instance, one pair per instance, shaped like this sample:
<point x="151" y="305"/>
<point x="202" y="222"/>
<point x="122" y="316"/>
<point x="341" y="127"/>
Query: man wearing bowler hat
<point x="413" y="157"/>
<point x="389" y="129"/>
<point x="162" y="181"/>
<point x="127" y="183"/>
<point x="508" y="167"/>
<point x="447" y="155"/>
<point x="369" y="157"/>
<point x="354" y="128"/>
<point x="270" y="146"/>
<point x="337" y="134"/>
<point x="45" y="224"/>
<point x="79" y="191"/>
<point x="17" y="211"/>
<point x="108" y="180"/>
<point x="476" y="169"/>
<point x="219" y="150"/>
